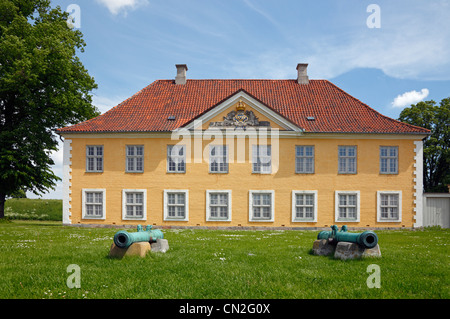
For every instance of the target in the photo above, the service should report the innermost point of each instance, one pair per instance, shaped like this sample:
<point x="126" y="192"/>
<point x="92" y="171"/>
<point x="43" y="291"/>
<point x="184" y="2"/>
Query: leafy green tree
<point x="18" y="194"/>
<point x="436" y="150"/>
<point x="43" y="86"/>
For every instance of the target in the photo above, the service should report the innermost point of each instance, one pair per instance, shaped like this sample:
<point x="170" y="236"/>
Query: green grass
<point x="214" y="264"/>
<point x="33" y="209"/>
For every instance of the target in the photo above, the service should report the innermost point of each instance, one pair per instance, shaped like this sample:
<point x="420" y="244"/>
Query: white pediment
<point x="243" y="97"/>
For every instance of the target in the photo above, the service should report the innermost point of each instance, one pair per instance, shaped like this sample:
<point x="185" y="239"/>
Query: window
<point x="347" y="159"/>
<point x="176" y="205"/>
<point x="347" y="206"/>
<point x="135" y="159"/>
<point x="389" y="206"/>
<point x="176" y="158"/>
<point x="94" y="158"/>
<point x="262" y="159"/>
<point x="388" y="159"/>
<point x="304" y="206"/>
<point x="261" y="206"/>
<point x="134" y="204"/>
<point x="304" y="159"/>
<point x="94" y="203"/>
<point x="218" y="159"/>
<point x="218" y="205"/>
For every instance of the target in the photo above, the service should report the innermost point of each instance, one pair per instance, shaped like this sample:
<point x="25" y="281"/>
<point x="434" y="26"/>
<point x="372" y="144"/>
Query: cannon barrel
<point x="124" y="239"/>
<point x="367" y="239"/>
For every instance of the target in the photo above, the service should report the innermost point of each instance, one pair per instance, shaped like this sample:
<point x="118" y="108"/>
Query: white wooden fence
<point x="436" y="209"/>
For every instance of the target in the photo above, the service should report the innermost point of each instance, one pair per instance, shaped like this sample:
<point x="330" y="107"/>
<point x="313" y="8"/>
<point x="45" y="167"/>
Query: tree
<point x="18" y="194"/>
<point x="436" y="150"/>
<point x="43" y="86"/>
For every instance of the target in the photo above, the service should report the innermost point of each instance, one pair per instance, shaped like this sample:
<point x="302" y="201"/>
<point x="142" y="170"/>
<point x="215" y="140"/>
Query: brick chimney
<point x="181" y="73"/>
<point x="302" y="77"/>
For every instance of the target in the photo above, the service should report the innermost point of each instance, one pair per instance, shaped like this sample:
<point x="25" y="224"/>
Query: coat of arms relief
<point x="240" y="119"/>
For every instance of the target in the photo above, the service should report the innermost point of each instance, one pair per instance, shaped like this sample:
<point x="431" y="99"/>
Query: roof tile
<point x="333" y="109"/>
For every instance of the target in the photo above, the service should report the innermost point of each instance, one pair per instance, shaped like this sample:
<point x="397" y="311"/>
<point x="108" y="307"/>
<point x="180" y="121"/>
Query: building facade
<point x="230" y="153"/>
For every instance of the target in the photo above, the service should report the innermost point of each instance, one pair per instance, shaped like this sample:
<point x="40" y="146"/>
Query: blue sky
<point x="131" y="43"/>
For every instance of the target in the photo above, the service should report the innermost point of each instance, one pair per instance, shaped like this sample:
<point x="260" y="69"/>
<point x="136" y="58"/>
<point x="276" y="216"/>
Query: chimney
<point x="302" y="77"/>
<point x="181" y="73"/>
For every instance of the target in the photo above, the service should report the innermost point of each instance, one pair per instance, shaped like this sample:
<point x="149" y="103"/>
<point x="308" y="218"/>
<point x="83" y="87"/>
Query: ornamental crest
<point x="240" y="119"/>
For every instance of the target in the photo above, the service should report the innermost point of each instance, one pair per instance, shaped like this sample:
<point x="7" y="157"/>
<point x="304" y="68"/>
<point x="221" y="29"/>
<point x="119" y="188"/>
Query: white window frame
<point x="389" y="159"/>
<point x="259" y="157"/>
<point x="296" y="219"/>
<point x="176" y="158"/>
<point x="251" y="218"/>
<point x="84" y="192"/>
<point x="399" y="206"/>
<point x="336" y="206"/>
<point x="209" y="218"/>
<point x="125" y="204"/>
<point x="134" y="159"/>
<point x="186" y="204"/>
<point x="95" y="157"/>
<point x="219" y="159"/>
<point x="305" y="158"/>
<point x="346" y="159"/>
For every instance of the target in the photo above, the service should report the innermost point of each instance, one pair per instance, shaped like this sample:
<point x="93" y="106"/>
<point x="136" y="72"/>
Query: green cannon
<point x="124" y="239"/>
<point x="367" y="239"/>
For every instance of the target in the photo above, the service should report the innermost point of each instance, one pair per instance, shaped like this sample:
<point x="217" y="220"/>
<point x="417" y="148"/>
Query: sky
<point x="387" y="54"/>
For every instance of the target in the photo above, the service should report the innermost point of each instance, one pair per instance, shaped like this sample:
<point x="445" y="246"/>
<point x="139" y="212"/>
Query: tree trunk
<point x="2" y="205"/>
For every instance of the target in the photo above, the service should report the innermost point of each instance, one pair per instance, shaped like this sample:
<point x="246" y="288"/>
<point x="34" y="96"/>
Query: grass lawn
<point x="216" y="264"/>
<point x="34" y="209"/>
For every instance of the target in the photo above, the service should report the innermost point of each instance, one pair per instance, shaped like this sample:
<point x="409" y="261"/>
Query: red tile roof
<point x="333" y="109"/>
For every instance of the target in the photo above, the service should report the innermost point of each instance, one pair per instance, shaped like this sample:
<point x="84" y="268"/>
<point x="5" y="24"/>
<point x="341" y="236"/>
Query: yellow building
<point x="243" y="153"/>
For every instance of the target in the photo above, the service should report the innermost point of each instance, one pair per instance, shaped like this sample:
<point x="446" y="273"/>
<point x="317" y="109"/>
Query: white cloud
<point x="57" y="169"/>
<point x="411" y="97"/>
<point x="106" y="103"/>
<point x="412" y="43"/>
<point x="262" y="13"/>
<point x="52" y="194"/>
<point x="115" y="6"/>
